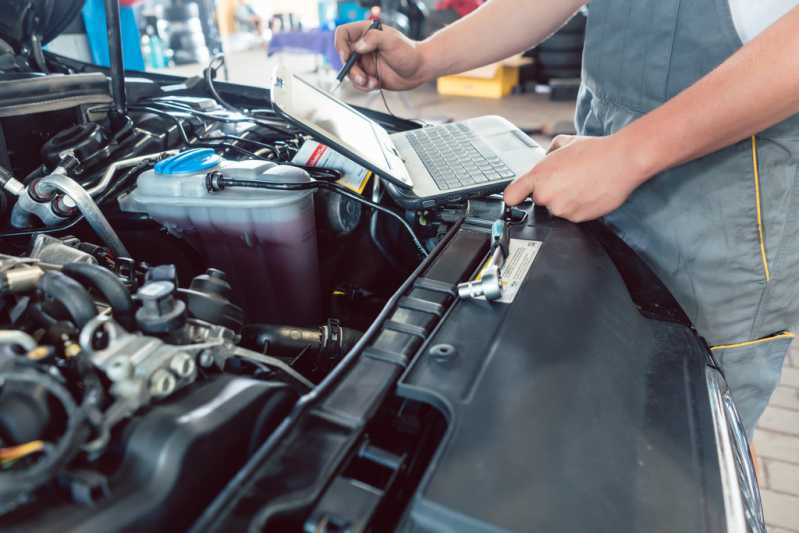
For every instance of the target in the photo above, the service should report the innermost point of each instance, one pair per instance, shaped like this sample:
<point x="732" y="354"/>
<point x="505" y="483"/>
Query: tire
<point x="575" y="25"/>
<point x="559" y="73"/>
<point x="547" y="59"/>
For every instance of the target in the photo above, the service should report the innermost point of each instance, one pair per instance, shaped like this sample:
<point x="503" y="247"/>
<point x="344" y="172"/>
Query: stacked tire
<point x="561" y="56"/>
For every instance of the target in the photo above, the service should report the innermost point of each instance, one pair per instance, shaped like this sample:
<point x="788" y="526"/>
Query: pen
<point x="355" y="56"/>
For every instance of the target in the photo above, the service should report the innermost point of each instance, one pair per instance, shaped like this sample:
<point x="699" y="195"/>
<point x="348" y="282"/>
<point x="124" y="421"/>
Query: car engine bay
<point x="139" y="284"/>
<point x="204" y="329"/>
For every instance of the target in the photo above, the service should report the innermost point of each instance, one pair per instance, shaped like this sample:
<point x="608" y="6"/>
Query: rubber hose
<point x="71" y="294"/>
<point x="15" y="485"/>
<point x="107" y="284"/>
<point x="288" y="341"/>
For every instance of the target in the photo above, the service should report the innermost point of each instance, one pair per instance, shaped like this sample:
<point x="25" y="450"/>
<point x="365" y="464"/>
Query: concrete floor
<point x="776" y="440"/>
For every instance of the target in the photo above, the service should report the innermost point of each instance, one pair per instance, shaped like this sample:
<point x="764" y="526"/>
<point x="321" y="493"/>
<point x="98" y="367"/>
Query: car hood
<point x="46" y="19"/>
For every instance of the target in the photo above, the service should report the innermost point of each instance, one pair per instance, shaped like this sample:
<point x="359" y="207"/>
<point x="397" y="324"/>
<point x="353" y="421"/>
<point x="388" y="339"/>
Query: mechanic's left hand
<point x="581" y="178"/>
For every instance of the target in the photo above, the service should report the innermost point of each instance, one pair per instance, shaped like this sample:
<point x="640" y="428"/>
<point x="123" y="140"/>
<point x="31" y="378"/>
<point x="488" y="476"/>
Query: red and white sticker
<point x="314" y="154"/>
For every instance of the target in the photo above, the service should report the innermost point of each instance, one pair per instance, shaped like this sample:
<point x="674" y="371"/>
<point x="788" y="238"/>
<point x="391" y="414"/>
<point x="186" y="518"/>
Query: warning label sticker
<point x="313" y="154"/>
<point x="521" y="255"/>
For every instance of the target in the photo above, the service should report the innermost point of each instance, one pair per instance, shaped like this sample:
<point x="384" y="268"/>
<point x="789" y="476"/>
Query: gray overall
<point x="723" y="231"/>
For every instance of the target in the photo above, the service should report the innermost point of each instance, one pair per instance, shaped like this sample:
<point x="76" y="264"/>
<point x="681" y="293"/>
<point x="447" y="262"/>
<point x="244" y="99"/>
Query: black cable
<point x="215" y="181"/>
<point x="162" y="113"/>
<point x="208" y="73"/>
<point x="240" y="139"/>
<point x="228" y="120"/>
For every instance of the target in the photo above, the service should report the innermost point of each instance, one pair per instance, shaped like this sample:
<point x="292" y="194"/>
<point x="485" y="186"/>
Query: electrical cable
<point x="215" y="64"/>
<point x="215" y="181"/>
<point x="13" y="453"/>
<point x="183" y="135"/>
<point x="374" y="228"/>
<point x="179" y="106"/>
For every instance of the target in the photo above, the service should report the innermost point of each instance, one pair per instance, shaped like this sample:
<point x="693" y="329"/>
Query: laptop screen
<point x="338" y="124"/>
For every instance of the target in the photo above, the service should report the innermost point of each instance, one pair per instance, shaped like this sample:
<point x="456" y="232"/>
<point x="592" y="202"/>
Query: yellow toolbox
<point x="492" y="81"/>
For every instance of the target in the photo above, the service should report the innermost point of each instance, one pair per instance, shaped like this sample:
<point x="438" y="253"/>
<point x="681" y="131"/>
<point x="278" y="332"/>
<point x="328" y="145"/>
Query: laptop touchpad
<point x="507" y="142"/>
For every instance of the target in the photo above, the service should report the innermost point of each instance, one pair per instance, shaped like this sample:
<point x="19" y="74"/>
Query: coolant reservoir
<point x="264" y="240"/>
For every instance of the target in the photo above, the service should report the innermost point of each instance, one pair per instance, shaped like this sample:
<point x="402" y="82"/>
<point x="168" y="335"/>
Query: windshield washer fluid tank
<point x="264" y="240"/>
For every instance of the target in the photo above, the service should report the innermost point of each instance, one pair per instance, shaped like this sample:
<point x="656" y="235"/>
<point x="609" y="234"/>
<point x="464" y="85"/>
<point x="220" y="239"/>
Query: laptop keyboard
<point x="456" y="157"/>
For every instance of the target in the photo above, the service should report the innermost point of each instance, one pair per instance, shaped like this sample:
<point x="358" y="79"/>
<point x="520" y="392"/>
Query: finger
<point x="369" y="85"/>
<point x="358" y="76"/>
<point x="370" y="41"/>
<point x="519" y="190"/>
<point x="559" y="142"/>
<point x="346" y="36"/>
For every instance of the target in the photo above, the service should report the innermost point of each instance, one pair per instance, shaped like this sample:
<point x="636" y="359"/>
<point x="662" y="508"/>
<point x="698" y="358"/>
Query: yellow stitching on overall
<point x="783" y="335"/>
<point x="760" y="232"/>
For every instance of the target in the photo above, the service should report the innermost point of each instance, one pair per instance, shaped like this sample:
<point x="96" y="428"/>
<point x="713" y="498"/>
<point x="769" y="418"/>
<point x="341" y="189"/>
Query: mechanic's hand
<point x="581" y="178"/>
<point x="388" y="58"/>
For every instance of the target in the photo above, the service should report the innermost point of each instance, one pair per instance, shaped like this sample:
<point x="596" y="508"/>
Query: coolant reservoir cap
<point x="189" y="162"/>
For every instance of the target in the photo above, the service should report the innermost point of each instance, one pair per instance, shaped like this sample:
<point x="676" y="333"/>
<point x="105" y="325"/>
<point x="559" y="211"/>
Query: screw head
<point x="182" y="364"/>
<point x="118" y="368"/>
<point x="443" y="353"/>
<point x="206" y="358"/>
<point x="162" y="383"/>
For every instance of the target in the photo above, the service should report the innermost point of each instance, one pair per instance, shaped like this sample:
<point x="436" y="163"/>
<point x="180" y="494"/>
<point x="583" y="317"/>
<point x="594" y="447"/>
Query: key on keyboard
<point x="455" y="157"/>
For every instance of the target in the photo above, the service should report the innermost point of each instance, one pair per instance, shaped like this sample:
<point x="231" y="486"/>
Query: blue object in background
<point x="189" y="162"/>
<point x="350" y="12"/>
<point x="94" y="19"/>
<point x="328" y="11"/>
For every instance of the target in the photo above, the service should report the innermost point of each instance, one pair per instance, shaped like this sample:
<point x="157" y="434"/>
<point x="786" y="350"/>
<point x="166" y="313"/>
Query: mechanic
<point x="688" y="146"/>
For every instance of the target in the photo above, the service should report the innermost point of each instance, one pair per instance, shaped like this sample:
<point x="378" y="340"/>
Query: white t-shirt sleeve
<point x="753" y="16"/>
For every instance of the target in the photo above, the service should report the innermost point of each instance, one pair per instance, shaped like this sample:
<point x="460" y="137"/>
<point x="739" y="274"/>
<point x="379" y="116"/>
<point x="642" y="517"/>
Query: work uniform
<point x="723" y="231"/>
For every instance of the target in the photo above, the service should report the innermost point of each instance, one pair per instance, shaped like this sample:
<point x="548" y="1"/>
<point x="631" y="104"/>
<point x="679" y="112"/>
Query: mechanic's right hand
<point x="388" y="58"/>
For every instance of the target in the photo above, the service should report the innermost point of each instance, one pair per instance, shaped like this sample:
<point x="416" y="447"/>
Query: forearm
<point x="755" y="88"/>
<point x="495" y="31"/>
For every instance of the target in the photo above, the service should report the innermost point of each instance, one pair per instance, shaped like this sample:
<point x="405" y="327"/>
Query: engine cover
<point x="172" y="460"/>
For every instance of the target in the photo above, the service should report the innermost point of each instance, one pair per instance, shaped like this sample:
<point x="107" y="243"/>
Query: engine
<point x="172" y="281"/>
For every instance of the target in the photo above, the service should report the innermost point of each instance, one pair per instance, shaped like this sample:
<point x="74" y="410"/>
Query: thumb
<point x="561" y="141"/>
<point x="518" y="191"/>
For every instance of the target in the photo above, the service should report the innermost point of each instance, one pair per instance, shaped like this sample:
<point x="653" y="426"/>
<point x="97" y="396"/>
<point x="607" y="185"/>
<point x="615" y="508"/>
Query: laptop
<point x="424" y="167"/>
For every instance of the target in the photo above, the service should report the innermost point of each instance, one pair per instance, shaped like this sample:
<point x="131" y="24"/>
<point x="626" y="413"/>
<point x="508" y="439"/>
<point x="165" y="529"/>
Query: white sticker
<point x="313" y="154"/>
<point x="521" y="255"/>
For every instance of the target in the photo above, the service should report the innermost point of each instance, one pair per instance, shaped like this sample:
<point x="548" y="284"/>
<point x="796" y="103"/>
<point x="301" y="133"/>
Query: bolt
<point x="443" y="353"/>
<point x="118" y="368"/>
<point x="162" y="383"/>
<point x="206" y="358"/>
<point x="215" y="273"/>
<point x="182" y="364"/>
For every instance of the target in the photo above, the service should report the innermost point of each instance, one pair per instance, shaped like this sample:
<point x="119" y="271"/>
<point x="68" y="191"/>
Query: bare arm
<point x="498" y="29"/>
<point x="757" y="87"/>
<point x="495" y="31"/>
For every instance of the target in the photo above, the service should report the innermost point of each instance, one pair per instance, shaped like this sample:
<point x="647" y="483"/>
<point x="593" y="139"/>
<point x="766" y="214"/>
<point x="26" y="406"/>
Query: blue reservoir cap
<point x="189" y="162"/>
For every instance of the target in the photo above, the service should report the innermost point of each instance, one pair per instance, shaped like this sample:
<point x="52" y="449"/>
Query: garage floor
<point x="777" y="438"/>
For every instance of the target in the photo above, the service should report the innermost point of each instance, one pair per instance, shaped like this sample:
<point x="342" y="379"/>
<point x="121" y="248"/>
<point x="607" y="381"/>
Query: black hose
<point x="107" y="284"/>
<point x="69" y="293"/>
<point x="217" y="62"/>
<point x="16" y="485"/>
<point x="289" y="341"/>
<point x="5" y="176"/>
<point x="215" y="181"/>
